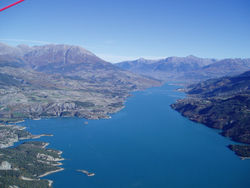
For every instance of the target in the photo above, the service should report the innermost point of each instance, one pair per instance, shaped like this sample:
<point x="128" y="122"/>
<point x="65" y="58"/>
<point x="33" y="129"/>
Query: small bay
<point x="146" y="145"/>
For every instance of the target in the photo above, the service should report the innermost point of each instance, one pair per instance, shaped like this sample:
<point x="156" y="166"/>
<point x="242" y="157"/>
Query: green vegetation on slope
<point x="222" y="104"/>
<point x="22" y="165"/>
<point x="27" y="162"/>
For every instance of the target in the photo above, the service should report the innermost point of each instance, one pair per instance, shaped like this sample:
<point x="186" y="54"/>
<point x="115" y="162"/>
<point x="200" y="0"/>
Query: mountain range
<point x="65" y="80"/>
<point x="62" y="80"/>
<point x="186" y="69"/>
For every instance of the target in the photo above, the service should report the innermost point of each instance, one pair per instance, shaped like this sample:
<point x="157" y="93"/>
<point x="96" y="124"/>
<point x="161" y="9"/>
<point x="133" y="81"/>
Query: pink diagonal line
<point x="11" y="5"/>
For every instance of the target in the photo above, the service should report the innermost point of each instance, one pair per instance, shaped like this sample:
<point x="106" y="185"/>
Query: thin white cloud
<point x="26" y="41"/>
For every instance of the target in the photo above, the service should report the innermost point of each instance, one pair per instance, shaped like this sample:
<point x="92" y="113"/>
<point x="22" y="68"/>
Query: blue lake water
<point x="146" y="145"/>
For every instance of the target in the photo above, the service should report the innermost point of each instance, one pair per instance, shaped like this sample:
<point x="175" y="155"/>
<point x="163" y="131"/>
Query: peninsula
<point x="25" y="164"/>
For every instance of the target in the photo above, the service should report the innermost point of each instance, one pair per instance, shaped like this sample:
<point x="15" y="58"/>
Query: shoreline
<point x="200" y="121"/>
<point x="88" y="116"/>
<point x="51" y="172"/>
<point x="50" y="183"/>
<point x="43" y="146"/>
<point x="28" y="179"/>
<point x="245" y="158"/>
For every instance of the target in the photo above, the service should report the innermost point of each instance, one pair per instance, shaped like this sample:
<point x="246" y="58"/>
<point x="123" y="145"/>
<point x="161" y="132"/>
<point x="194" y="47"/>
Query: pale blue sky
<point x="126" y="29"/>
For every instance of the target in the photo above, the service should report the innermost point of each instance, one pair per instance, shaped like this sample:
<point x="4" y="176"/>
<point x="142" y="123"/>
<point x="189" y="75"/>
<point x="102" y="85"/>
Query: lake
<point x="146" y="145"/>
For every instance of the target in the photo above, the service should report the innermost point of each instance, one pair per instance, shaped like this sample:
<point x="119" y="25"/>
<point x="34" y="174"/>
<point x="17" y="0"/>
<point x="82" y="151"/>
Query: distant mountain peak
<point x="141" y="59"/>
<point x="191" y="56"/>
<point x="189" y="68"/>
<point x="64" y="47"/>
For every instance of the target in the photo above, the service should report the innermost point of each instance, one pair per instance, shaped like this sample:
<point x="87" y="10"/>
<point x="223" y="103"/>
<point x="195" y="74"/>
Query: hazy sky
<point x="126" y="29"/>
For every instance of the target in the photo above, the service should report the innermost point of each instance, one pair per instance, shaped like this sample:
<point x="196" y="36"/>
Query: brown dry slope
<point x="62" y="80"/>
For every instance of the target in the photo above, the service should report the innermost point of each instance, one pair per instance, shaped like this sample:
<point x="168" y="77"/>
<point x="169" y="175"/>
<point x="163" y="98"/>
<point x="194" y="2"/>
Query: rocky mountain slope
<point x="62" y="80"/>
<point x="224" y="104"/>
<point x="186" y="69"/>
